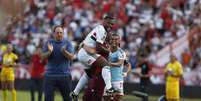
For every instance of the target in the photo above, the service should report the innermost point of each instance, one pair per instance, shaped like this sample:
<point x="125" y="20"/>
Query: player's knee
<point x="100" y="62"/>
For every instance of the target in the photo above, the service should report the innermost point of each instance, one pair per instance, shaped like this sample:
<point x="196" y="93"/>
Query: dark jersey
<point x="145" y="69"/>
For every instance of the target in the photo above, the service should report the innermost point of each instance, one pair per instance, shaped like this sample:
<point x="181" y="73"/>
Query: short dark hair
<point x="108" y="17"/>
<point x="115" y="34"/>
<point x="56" y="26"/>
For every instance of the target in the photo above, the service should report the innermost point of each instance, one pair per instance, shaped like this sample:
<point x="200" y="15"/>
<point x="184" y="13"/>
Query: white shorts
<point x="86" y="58"/>
<point x="116" y="85"/>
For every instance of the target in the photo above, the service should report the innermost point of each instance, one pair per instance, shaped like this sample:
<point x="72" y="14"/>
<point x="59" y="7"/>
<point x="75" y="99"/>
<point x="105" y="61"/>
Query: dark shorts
<point x="63" y="83"/>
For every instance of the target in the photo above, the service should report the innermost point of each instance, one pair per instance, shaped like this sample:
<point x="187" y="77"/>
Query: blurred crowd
<point x="153" y="23"/>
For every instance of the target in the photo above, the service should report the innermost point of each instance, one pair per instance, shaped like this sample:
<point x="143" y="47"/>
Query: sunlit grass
<point x="25" y="96"/>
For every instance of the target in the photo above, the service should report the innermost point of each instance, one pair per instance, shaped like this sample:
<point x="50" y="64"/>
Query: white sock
<point x="106" y="74"/>
<point x="82" y="82"/>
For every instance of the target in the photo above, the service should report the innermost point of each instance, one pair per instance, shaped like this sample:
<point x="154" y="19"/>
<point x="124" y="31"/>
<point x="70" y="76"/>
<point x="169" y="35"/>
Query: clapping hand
<point x="63" y="48"/>
<point x="170" y="71"/>
<point x="50" y="47"/>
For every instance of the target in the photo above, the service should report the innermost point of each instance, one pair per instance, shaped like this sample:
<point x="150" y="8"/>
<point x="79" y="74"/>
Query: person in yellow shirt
<point x="7" y="73"/>
<point x="173" y="73"/>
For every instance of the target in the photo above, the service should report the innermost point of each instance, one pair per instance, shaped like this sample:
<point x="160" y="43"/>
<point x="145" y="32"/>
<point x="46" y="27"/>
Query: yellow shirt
<point x="7" y="72"/>
<point x="176" y="67"/>
<point x="172" y="82"/>
<point x="9" y="59"/>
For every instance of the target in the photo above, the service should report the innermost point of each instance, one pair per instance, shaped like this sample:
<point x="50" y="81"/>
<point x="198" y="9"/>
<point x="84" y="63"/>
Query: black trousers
<point x="36" y="84"/>
<point x="144" y="83"/>
<point x="63" y="83"/>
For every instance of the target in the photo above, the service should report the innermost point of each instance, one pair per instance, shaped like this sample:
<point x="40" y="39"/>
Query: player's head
<point x="115" y="40"/>
<point x="58" y="32"/>
<point x="9" y="48"/>
<point x="173" y="58"/>
<point x="108" y="22"/>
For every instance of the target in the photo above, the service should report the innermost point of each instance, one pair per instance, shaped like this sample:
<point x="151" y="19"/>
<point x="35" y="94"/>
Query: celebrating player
<point x="117" y="58"/>
<point x="96" y="85"/>
<point x="173" y="72"/>
<point x="7" y="73"/>
<point x="89" y="57"/>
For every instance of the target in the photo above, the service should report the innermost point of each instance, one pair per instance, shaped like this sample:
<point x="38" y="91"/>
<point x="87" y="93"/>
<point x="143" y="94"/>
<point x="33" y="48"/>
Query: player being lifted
<point x="89" y="57"/>
<point x="117" y="58"/>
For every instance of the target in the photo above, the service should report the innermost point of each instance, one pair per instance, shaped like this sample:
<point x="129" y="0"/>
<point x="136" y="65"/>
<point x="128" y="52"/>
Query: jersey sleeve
<point x="100" y="34"/>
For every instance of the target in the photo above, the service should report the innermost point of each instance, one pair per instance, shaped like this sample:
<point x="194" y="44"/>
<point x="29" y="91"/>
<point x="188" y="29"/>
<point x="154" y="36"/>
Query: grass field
<point x="25" y="96"/>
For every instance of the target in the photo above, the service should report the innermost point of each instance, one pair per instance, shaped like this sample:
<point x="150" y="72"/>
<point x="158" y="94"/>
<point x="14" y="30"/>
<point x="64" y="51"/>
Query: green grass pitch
<point x="25" y="96"/>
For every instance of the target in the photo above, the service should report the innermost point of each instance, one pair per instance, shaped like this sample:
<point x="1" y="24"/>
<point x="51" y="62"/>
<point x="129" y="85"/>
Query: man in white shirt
<point x="92" y="44"/>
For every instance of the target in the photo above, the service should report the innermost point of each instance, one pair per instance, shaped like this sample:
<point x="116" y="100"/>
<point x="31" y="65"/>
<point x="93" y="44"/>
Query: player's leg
<point x="32" y="89"/>
<point x="49" y="88"/>
<point x="82" y="82"/>
<point x="11" y="85"/>
<point x="118" y="85"/>
<point x="94" y="91"/>
<point x="169" y="92"/>
<point x="5" y="90"/>
<point x="4" y="86"/>
<point x="64" y="84"/>
<point x="144" y="84"/>
<point x="106" y="74"/>
<point x="95" y="60"/>
<point x="117" y="96"/>
<point x="172" y="91"/>
<point x="11" y="88"/>
<point x="87" y="60"/>
<point x="39" y="82"/>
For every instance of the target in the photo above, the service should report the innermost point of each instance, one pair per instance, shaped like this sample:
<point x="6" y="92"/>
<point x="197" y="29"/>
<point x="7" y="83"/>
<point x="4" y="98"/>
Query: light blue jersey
<point x="116" y="72"/>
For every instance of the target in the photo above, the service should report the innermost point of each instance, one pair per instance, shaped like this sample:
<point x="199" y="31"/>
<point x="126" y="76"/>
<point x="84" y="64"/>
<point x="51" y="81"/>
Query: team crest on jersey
<point x="103" y="38"/>
<point x="89" y="61"/>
